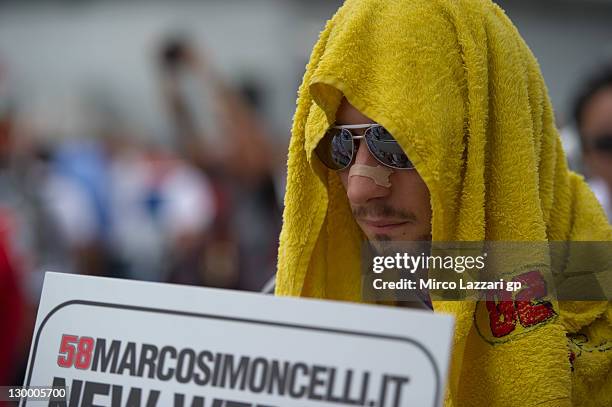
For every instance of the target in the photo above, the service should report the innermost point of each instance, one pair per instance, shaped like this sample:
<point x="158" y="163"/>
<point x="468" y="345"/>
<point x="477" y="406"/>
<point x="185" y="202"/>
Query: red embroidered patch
<point x="505" y="312"/>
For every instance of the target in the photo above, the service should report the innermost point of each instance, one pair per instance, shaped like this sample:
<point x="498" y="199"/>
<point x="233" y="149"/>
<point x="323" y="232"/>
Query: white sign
<point x="121" y="343"/>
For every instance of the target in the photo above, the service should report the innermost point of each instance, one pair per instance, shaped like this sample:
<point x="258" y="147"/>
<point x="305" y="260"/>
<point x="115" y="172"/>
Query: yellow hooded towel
<point x="459" y="89"/>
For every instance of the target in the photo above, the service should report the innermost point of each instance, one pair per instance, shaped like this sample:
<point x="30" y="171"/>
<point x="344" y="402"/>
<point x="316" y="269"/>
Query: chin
<point x="409" y="235"/>
<point x="391" y="243"/>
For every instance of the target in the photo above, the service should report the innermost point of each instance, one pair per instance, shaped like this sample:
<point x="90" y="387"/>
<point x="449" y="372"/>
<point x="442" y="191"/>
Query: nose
<point x="362" y="189"/>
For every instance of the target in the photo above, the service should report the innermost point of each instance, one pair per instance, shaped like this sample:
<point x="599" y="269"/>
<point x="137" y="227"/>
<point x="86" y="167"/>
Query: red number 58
<point x="75" y="351"/>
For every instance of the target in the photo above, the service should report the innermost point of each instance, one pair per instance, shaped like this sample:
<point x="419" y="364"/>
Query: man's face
<point x="399" y="212"/>
<point x="597" y="122"/>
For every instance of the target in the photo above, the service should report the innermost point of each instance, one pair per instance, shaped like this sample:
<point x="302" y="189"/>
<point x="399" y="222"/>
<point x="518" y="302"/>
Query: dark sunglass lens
<point x="603" y="143"/>
<point x="384" y="147"/>
<point x="335" y="149"/>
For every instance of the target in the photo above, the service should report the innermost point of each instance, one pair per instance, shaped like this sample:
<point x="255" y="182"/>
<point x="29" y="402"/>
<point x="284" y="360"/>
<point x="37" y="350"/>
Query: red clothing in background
<point x="11" y="316"/>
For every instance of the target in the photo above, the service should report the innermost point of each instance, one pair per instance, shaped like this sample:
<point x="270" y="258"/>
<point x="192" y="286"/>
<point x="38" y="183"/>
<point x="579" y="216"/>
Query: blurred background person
<point x="27" y="234"/>
<point x="227" y="141"/>
<point x="593" y="116"/>
<point x="162" y="207"/>
<point x="12" y="302"/>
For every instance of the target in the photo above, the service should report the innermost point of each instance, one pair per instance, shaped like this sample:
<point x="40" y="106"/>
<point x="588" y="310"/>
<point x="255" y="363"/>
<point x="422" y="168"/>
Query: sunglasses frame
<point x="600" y="144"/>
<point x="354" y="137"/>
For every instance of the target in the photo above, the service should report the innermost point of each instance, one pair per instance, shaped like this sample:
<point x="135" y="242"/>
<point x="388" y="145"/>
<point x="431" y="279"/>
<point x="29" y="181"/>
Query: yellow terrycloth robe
<point x="459" y="89"/>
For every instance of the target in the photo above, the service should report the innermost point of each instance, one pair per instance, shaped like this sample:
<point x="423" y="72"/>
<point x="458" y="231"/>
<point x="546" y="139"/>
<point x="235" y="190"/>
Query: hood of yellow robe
<point x="459" y="89"/>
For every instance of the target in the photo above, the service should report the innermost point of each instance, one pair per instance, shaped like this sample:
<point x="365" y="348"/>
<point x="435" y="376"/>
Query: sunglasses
<point x="337" y="147"/>
<point x="603" y="143"/>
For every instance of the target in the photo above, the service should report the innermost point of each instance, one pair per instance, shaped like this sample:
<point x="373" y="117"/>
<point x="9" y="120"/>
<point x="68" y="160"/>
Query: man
<point x="429" y="119"/>
<point x="231" y="146"/>
<point x="593" y="116"/>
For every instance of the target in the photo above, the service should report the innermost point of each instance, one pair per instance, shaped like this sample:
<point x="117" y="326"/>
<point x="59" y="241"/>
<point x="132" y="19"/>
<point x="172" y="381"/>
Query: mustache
<point x="382" y="211"/>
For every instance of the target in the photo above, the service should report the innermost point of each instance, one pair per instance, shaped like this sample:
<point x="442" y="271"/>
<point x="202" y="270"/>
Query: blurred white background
<point x="56" y="50"/>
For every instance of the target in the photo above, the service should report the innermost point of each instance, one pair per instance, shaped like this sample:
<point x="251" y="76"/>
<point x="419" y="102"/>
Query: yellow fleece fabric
<point x="459" y="89"/>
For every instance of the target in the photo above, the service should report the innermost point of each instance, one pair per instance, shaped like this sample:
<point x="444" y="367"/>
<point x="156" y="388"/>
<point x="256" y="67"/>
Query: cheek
<point x="344" y="176"/>
<point x="413" y="194"/>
